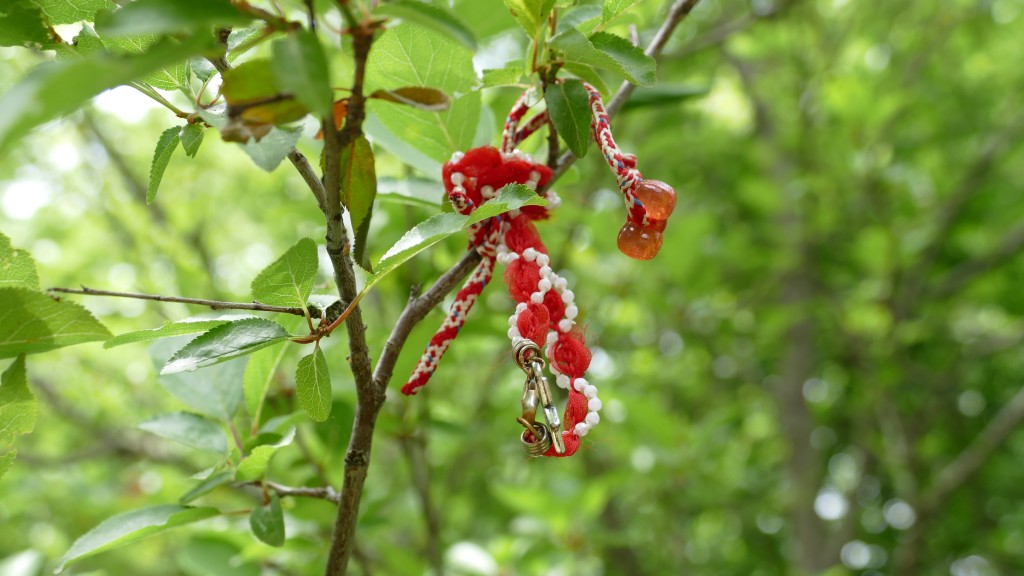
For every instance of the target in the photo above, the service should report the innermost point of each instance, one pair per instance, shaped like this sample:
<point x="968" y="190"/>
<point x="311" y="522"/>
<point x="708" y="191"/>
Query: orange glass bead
<point x="638" y="242"/>
<point x="659" y="198"/>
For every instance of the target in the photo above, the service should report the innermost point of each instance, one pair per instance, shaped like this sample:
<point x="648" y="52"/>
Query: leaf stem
<point x="160" y="99"/>
<point x="214" y="304"/>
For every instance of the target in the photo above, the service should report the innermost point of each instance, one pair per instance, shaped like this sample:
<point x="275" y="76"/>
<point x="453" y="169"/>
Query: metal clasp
<point x="536" y="392"/>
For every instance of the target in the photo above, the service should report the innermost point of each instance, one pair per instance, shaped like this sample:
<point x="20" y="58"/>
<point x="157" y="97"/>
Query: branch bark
<point x="214" y="304"/>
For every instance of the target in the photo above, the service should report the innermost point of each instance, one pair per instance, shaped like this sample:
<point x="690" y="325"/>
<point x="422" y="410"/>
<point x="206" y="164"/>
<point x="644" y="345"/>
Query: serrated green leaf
<point x="613" y="8"/>
<point x="165" y="147"/>
<point x="189" y="429"/>
<point x="313" y="385"/>
<point x="131" y="527"/>
<point x="259" y="374"/>
<point x="532" y="15"/>
<point x="57" y="88"/>
<point x="225" y="342"/>
<point x="168" y="78"/>
<point x="254" y="466"/>
<point x="431" y="16"/>
<point x="439" y="227"/>
<point x="569" y="109"/>
<point x="169" y="329"/>
<point x="288" y="281"/>
<point x="32" y="322"/>
<point x="17" y="268"/>
<point x="300" y="68"/>
<point x="22" y="24"/>
<point x="202" y="68"/>
<point x="267" y="522"/>
<point x="638" y="67"/>
<point x="169" y="17"/>
<point x="409" y="56"/>
<point x="270" y="150"/>
<point x="590" y="75"/>
<point x="508" y="76"/>
<point x="359" y="189"/>
<point x="191" y="137"/>
<point x="18" y="410"/>
<point x="206" y="486"/>
<point x="71" y="11"/>
<point x="215" y="391"/>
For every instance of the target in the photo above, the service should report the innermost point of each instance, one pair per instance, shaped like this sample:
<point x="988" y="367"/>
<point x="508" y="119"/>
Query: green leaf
<point x="613" y="8"/>
<point x="168" y="78"/>
<point x="267" y="522"/>
<point x="207" y="485"/>
<point x="300" y="68"/>
<point x="225" y="342"/>
<point x="215" y="391"/>
<point x="18" y="410"/>
<point x="359" y="189"/>
<point x="131" y="527"/>
<point x="270" y="150"/>
<point x="170" y="16"/>
<point x="437" y="228"/>
<point x="253" y="94"/>
<point x="165" y="147"/>
<point x="6" y="460"/>
<point x="57" y="88"/>
<point x="569" y="109"/>
<point x="532" y="15"/>
<point x="71" y="11"/>
<point x="259" y="374"/>
<point x="419" y="97"/>
<point x="410" y="56"/>
<point x="189" y="429"/>
<point x="508" y="76"/>
<point x="179" y="328"/>
<point x="22" y="24"/>
<point x="32" y="322"/>
<point x="590" y="75"/>
<point x="430" y="16"/>
<point x="313" y="385"/>
<point x="663" y="94"/>
<point x="288" y="281"/>
<point x="17" y="268"/>
<point x="191" y="136"/>
<point x="638" y="67"/>
<point x="254" y="466"/>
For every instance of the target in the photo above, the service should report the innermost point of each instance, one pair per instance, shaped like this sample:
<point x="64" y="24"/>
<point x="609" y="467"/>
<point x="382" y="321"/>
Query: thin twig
<point x="677" y="13"/>
<point x="320" y="493"/>
<point x="215" y="304"/>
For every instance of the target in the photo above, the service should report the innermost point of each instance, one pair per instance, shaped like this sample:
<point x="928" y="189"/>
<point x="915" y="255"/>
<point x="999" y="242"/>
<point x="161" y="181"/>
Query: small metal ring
<point x="541" y="443"/>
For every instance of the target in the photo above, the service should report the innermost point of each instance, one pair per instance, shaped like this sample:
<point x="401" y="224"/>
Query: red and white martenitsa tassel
<point x="546" y="311"/>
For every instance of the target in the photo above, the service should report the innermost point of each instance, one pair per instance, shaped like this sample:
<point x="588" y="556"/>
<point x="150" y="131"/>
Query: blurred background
<point x="821" y="373"/>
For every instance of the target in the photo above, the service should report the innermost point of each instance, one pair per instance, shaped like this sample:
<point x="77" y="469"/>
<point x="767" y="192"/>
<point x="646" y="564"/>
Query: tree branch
<point x="215" y="304"/>
<point x="320" y="493"/>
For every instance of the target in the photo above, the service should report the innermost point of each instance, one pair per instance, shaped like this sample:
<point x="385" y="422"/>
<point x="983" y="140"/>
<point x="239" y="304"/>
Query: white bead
<point x="580" y="384"/>
<point x="563" y="381"/>
<point x="517" y="340"/>
<point x="530" y="254"/>
<point x="571" y="312"/>
<point x="544" y="285"/>
<point x="561" y="283"/>
<point x="552" y="338"/>
<point x="593" y="418"/>
<point x="487" y="192"/>
<point x="520" y="307"/>
<point x="543" y="259"/>
<point x="512" y="256"/>
<point x="502" y="258"/>
<point x="458" y="178"/>
<point x="568" y="296"/>
<point x="565" y="325"/>
<point x="531" y="185"/>
<point x="513" y="332"/>
<point x="535" y="176"/>
<point x="590" y="391"/>
<point x="545" y="271"/>
<point x="458" y="190"/>
<point x="513" y="320"/>
<point x="581" y="429"/>
<point x="537" y="297"/>
<point x="595" y="404"/>
<point x="457" y="156"/>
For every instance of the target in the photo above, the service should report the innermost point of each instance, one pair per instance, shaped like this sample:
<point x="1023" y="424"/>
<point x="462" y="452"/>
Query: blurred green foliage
<point x="820" y="374"/>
